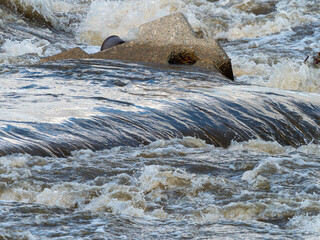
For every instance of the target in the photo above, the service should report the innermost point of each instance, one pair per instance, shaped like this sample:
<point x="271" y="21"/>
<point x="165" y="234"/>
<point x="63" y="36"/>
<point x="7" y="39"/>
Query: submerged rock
<point x="168" y="40"/>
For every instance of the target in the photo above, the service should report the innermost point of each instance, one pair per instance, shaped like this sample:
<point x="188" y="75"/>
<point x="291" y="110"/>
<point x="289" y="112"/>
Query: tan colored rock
<point x="173" y="28"/>
<point x="74" y="53"/>
<point x="166" y="40"/>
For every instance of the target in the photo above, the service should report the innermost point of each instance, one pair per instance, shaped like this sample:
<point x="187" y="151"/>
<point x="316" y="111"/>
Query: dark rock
<point x="111" y="42"/>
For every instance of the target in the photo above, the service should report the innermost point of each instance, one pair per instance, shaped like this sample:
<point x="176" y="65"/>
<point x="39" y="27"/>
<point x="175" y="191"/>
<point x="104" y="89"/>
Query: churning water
<point x="99" y="149"/>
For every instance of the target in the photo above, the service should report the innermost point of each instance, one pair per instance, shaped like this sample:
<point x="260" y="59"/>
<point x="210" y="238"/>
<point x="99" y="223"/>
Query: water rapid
<point x="100" y="149"/>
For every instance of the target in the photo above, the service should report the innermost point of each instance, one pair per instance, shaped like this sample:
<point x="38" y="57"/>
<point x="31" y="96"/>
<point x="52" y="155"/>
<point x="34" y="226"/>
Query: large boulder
<point x="168" y="40"/>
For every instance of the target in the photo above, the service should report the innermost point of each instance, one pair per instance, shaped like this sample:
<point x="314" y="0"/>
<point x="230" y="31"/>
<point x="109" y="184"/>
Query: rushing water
<point x="99" y="149"/>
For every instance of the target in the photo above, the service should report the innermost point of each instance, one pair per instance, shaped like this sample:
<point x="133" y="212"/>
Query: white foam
<point x="283" y="73"/>
<point x="13" y="49"/>
<point x="310" y="149"/>
<point x="257" y="146"/>
<point x="159" y="213"/>
<point x="58" y="13"/>
<point x="244" y="24"/>
<point x="154" y="177"/>
<point x="269" y="165"/>
<point x="211" y="213"/>
<point x="292" y="75"/>
<point x="121" y="18"/>
<point x="144" y="193"/>
<point x="306" y="223"/>
<point x="66" y="195"/>
<point x="19" y="48"/>
<point x="281" y="22"/>
<point x="245" y="211"/>
<point x="248" y="70"/>
<point x="119" y="199"/>
<point x="43" y="7"/>
<point x="173" y="147"/>
<point x="152" y="187"/>
<point x="18" y="194"/>
<point x="14" y="161"/>
<point x="188" y="142"/>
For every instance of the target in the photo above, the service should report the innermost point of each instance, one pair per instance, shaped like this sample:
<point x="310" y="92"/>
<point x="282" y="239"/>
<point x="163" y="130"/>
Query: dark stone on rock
<point x="111" y="42"/>
<point x="168" y="40"/>
<point x="183" y="56"/>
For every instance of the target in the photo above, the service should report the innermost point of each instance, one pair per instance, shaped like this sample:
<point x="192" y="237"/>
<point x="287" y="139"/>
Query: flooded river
<point x="101" y="149"/>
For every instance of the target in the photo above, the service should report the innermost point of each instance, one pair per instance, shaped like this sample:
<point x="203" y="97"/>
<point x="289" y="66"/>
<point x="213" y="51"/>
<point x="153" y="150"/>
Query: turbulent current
<point x="101" y="149"/>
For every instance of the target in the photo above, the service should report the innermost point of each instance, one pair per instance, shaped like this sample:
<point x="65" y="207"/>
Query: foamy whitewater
<point x="113" y="150"/>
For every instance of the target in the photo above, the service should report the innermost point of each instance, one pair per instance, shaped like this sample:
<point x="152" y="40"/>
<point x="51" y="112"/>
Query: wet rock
<point x="110" y="42"/>
<point x="168" y="40"/>
<point x="74" y="53"/>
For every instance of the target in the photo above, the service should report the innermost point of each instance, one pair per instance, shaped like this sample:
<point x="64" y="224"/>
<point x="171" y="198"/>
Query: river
<point x="102" y="149"/>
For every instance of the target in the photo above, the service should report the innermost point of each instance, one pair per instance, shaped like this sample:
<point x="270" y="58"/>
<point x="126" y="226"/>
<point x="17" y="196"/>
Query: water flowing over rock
<point x="98" y="104"/>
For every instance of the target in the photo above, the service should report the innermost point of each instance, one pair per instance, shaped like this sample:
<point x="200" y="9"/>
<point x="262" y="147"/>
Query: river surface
<point x="101" y="149"/>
